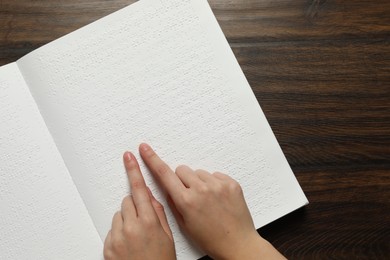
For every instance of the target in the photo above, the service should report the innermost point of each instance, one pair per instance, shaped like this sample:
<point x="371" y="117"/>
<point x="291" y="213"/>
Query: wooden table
<point x="321" y="72"/>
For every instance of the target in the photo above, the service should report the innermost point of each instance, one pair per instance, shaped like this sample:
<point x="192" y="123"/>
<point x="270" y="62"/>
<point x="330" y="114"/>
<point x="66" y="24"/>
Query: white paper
<point x="42" y="214"/>
<point x="159" y="72"/>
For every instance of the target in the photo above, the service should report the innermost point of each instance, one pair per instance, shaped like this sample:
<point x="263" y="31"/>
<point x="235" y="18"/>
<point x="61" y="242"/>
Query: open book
<point x="157" y="71"/>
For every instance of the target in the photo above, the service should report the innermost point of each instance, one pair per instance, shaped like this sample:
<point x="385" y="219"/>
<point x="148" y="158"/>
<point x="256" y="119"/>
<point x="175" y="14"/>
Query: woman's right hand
<point x="211" y="210"/>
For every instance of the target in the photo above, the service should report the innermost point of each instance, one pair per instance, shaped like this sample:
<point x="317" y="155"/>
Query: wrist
<point x="253" y="247"/>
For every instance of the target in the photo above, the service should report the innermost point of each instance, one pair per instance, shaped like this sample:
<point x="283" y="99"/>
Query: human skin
<point x="209" y="208"/>
<point x="140" y="229"/>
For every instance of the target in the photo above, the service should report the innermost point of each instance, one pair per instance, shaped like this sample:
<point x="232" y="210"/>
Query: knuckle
<point x="204" y="189"/>
<point x="219" y="188"/>
<point x="128" y="231"/>
<point x="148" y="222"/>
<point x="117" y="244"/>
<point x="187" y="201"/>
<point x="235" y="187"/>
<point x="108" y="255"/>
<point x="180" y="168"/>
<point x="137" y="184"/>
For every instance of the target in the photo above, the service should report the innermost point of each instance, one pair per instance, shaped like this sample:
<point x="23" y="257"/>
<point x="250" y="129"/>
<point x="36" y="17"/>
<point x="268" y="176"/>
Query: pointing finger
<point x="168" y="179"/>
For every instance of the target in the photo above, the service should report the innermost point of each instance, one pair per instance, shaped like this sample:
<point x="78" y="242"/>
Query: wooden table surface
<point x="321" y="72"/>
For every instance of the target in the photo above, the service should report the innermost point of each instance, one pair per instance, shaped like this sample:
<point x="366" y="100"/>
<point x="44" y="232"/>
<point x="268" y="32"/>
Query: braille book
<point x="157" y="71"/>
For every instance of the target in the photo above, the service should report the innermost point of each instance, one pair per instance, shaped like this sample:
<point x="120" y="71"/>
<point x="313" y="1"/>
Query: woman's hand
<point x="140" y="230"/>
<point x="211" y="210"/>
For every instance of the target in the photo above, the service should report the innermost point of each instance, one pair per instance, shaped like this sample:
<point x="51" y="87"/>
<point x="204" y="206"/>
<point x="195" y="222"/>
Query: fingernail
<point x="145" y="147"/>
<point x="128" y="156"/>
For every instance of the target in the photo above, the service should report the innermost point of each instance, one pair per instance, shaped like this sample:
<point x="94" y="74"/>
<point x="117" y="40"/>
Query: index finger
<point x="168" y="179"/>
<point x="142" y="202"/>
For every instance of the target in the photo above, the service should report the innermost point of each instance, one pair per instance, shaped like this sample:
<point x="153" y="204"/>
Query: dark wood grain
<point x="321" y="72"/>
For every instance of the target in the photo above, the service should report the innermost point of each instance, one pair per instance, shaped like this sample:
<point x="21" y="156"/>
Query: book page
<point x="159" y="72"/>
<point x="42" y="214"/>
